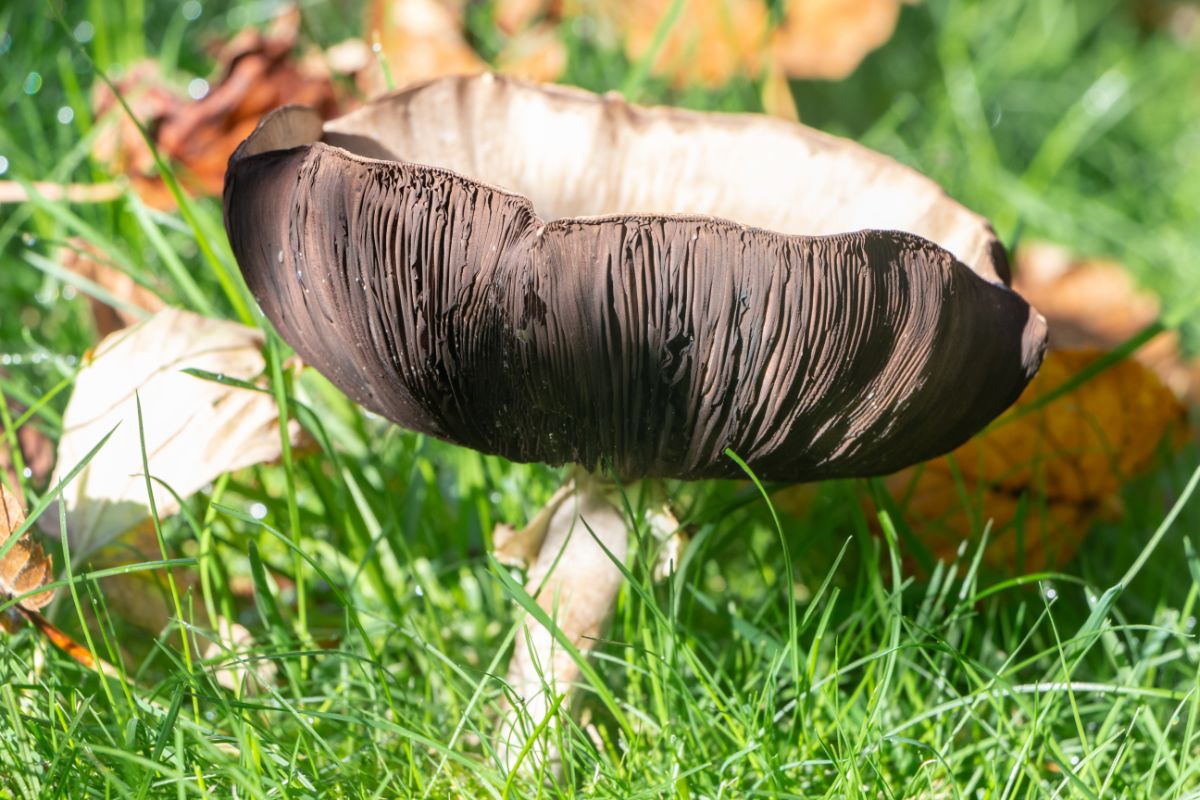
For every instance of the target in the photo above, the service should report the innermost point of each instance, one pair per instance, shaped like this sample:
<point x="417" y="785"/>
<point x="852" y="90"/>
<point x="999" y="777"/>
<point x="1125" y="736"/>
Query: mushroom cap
<point x="610" y="313"/>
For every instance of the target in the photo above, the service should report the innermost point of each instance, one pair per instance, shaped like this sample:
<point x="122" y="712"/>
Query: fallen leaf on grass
<point x="535" y="54"/>
<point x="418" y="40"/>
<point x="136" y="301"/>
<point x="1044" y="478"/>
<point x="195" y="429"/>
<point x="514" y="16"/>
<point x="828" y="39"/>
<point x="257" y="72"/>
<point x="1095" y="303"/>
<point x="709" y="43"/>
<point x="25" y="567"/>
<point x="712" y="42"/>
<point x="119" y="145"/>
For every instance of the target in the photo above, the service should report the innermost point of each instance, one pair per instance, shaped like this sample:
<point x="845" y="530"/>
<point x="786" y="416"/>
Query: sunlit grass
<point x="1055" y="119"/>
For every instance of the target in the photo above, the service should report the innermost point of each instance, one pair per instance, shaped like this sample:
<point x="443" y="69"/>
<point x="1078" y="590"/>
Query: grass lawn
<point x="362" y="568"/>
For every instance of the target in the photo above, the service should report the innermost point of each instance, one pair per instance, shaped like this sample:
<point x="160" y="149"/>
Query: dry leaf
<point x="257" y="72"/>
<point x="25" y="566"/>
<point x="418" y="39"/>
<point x="1027" y="531"/>
<point x="709" y="43"/>
<point x="119" y="144"/>
<point x="195" y="429"/>
<point x="71" y="647"/>
<point x="86" y="261"/>
<point x="712" y="42"/>
<point x="514" y="16"/>
<point x="535" y="54"/>
<point x="828" y="39"/>
<point x="1094" y="303"/>
<point x="1043" y="479"/>
<point x="349" y="56"/>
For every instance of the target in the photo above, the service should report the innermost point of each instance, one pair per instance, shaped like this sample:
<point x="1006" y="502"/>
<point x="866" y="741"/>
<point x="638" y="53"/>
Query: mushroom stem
<point x="576" y="583"/>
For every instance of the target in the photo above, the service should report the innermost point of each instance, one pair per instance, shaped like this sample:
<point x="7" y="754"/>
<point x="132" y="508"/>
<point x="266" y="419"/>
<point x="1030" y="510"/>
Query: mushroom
<point x="550" y="275"/>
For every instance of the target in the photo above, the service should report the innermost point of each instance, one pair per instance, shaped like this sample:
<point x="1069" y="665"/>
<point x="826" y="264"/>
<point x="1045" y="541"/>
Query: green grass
<point x="1056" y="119"/>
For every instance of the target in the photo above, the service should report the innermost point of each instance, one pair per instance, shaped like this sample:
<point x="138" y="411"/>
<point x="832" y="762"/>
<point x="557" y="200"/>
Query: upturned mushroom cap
<point x="603" y="308"/>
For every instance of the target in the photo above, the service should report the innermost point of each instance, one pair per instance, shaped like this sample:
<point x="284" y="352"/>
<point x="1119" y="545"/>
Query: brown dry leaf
<point x="709" y="43"/>
<point x="119" y="144"/>
<point x="418" y="40"/>
<point x="1044" y="478"/>
<point x="25" y="566"/>
<point x="257" y="72"/>
<point x="712" y="42"/>
<point x="195" y="429"/>
<point x="1094" y="303"/>
<point x="138" y="302"/>
<point x="514" y="16"/>
<point x="535" y="54"/>
<point x="1027" y="532"/>
<point x="349" y="56"/>
<point x="828" y="39"/>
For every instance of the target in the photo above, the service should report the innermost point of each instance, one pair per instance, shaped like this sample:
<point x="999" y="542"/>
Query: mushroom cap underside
<point x="647" y="341"/>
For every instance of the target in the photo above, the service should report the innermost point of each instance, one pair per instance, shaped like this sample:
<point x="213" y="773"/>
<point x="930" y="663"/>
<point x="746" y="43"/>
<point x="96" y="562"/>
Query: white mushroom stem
<point x="576" y="583"/>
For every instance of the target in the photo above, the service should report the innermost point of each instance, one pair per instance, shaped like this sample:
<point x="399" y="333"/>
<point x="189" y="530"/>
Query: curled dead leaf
<point x="828" y="39"/>
<point x="418" y="40"/>
<point x="194" y="429"/>
<point x="1095" y="303"/>
<point x="514" y="16"/>
<point x="535" y="54"/>
<point x="709" y="43"/>
<point x="25" y="567"/>
<point x="119" y="143"/>
<point x="1045" y="477"/>
<point x="257" y="71"/>
<point x="712" y="42"/>
<point x="349" y="56"/>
